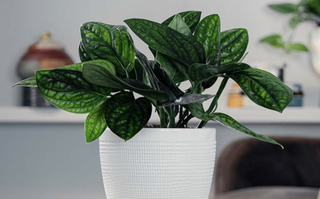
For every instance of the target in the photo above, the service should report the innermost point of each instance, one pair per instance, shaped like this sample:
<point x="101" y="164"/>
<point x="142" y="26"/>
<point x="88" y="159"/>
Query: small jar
<point x="235" y="97"/>
<point x="44" y="54"/>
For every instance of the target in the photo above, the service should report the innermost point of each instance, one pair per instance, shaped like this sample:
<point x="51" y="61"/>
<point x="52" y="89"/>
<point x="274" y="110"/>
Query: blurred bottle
<point x="297" y="100"/>
<point x="45" y="54"/>
<point x="235" y="97"/>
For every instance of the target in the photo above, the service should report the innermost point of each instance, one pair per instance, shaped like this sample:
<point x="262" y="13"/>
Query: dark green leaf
<point x="208" y="34"/>
<point x="191" y="18"/>
<point x="179" y="25"/>
<point x="126" y="116"/>
<point x="197" y="110"/>
<point x="95" y="123"/>
<point x="284" y="8"/>
<point x="84" y="56"/>
<point x="68" y="90"/>
<point x="202" y="72"/>
<point x="298" y="47"/>
<point x="175" y="70"/>
<point x="209" y="83"/>
<point x="151" y="78"/>
<point x="263" y="88"/>
<point x="233" y="45"/>
<point x="112" y="43"/>
<point x="29" y="82"/>
<point x="158" y="79"/>
<point x="229" y="122"/>
<point x="187" y="99"/>
<point x="99" y="75"/>
<point x="138" y="72"/>
<point x="165" y="82"/>
<point x="168" y="41"/>
<point x="100" y="62"/>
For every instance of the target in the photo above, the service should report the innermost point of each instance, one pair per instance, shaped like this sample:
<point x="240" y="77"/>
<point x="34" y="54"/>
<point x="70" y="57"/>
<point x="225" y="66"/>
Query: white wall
<point x="23" y="21"/>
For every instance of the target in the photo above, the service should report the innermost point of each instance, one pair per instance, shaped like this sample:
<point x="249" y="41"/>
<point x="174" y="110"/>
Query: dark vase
<point x="45" y="54"/>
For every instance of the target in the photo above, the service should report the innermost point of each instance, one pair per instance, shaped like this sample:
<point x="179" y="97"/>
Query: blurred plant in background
<point x="305" y="10"/>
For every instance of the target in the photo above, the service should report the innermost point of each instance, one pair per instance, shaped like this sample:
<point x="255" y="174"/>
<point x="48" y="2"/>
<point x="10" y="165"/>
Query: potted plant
<point x="178" y="160"/>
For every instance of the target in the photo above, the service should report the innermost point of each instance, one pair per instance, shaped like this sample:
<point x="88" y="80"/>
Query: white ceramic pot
<point x="158" y="164"/>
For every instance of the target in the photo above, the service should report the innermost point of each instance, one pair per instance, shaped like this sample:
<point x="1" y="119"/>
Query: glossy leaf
<point x="29" y="82"/>
<point x="95" y="123"/>
<point x="209" y="83"/>
<point x="197" y="110"/>
<point x="158" y="79"/>
<point x="284" y="8"/>
<point x="263" y="88"/>
<point x="168" y="41"/>
<point x="78" y="66"/>
<point x="68" y="90"/>
<point x="233" y="45"/>
<point x="138" y="72"/>
<point x="126" y="116"/>
<point x="202" y="72"/>
<point x="191" y="18"/>
<point x="147" y="66"/>
<point x="208" y="34"/>
<point x="165" y="82"/>
<point x="179" y="25"/>
<point x="229" y="122"/>
<point x="99" y="75"/>
<point x="175" y="70"/>
<point x="112" y="43"/>
<point x="84" y="56"/>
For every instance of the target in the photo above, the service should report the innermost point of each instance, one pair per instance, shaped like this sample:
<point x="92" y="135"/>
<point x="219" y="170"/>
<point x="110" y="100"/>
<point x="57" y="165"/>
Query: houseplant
<point x="300" y="12"/>
<point x="185" y="48"/>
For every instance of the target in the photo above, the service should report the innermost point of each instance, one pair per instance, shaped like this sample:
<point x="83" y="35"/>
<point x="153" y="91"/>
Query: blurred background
<point x="43" y="153"/>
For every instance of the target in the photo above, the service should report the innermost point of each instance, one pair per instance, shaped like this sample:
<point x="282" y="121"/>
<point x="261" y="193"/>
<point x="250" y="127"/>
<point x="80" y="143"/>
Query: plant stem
<point x="215" y="100"/>
<point x="162" y="118"/>
<point x="185" y="122"/>
<point x="172" y="121"/>
<point x="181" y="119"/>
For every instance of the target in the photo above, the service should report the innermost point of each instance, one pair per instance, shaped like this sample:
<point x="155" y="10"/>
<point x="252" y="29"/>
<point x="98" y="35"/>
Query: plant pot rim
<point x="166" y="134"/>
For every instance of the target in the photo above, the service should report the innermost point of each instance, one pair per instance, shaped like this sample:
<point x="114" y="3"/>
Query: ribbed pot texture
<point x="158" y="164"/>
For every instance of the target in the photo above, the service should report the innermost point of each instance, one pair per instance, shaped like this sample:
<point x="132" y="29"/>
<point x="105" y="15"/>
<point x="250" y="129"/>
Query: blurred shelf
<point x="244" y="115"/>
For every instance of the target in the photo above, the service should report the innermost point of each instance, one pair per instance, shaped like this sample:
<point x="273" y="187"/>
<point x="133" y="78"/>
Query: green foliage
<point x="305" y="10"/>
<point x="68" y="90"/>
<point x="284" y="8"/>
<point x="95" y="123"/>
<point x="229" y="122"/>
<point x="185" y="48"/>
<point x="112" y="43"/>
<point x="263" y="88"/>
<point x="233" y="45"/>
<point x="126" y="116"/>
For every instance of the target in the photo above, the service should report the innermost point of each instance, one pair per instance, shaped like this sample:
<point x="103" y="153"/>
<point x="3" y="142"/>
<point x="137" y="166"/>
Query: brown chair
<point x="250" y="163"/>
